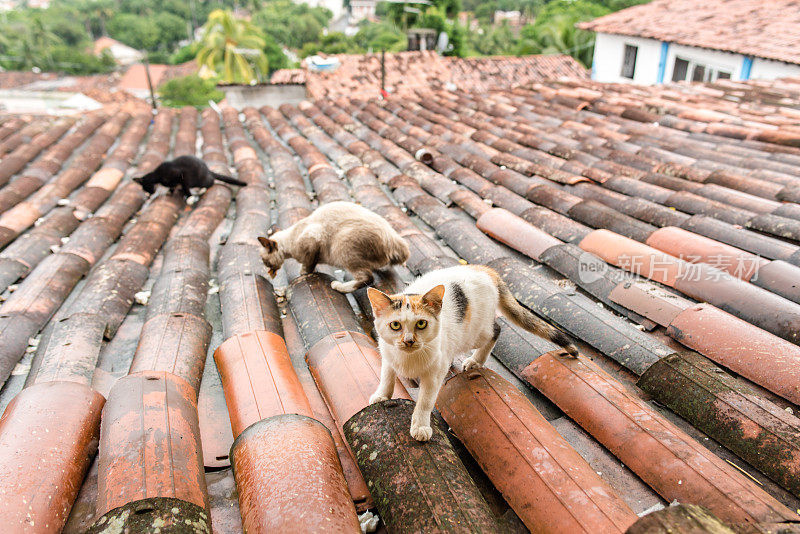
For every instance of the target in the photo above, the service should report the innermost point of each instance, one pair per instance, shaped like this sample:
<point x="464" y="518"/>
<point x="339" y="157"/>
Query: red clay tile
<point x="355" y="481"/>
<point x="258" y="379"/>
<point x="109" y="291"/>
<point x="16" y="160"/>
<point x="679" y="518"/>
<point x="150" y="419"/>
<point x="597" y="215"/>
<point x="771" y="248"/>
<point x="284" y="461"/>
<point x="44" y="290"/>
<point x="746" y="301"/>
<point x="719" y="405"/>
<point x="515" y="232"/>
<point x="418" y="487"/>
<point x="548" y="484"/>
<point x="754" y="353"/>
<point x="346" y="368"/>
<point x="632" y="256"/>
<point x="48" y="437"/>
<point x="650" y="301"/>
<point x="780" y="278"/>
<point x="698" y="249"/>
<point x="176" y="343"/>
<point x="69" y="351"/>
<point x="668" y="460"/>
<point x="319" y="310"/>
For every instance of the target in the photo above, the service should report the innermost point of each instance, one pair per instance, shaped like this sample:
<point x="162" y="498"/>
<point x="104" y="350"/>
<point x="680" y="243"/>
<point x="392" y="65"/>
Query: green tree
<point x="189" y="91"/>
<point x="276" y="59"/>
<point x="493" y="40"/>
<point x="134" y="30"/>
<point x="171" y="28"/>
<point x="333" y="43"/>
<point x="378" y="36"/>
<point x="558" y="37"/>
<point x="292" y="25"/>
<point x="185" y="53"/>
<point x="233" y="49"/>
<point x="554" y="30"/>
<point x="71" y="60"/>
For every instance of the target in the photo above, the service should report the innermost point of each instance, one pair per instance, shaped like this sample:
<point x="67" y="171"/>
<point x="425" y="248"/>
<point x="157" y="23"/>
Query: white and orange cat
<point x="441" y="315"/>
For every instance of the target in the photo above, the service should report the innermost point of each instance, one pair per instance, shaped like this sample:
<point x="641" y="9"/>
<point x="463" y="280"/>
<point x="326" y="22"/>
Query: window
<point x="680" y="69"/>
<point x="629" y="61"/>
<point x="685" y="69"/>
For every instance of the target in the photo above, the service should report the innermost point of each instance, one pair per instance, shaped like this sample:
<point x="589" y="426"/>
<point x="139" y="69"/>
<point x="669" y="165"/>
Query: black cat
<point x="185" y="172"/>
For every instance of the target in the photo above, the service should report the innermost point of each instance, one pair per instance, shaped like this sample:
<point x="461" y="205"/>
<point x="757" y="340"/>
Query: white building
<point x="122" y="53"/>
<point x="335" y="6"/>
<point x="362" y="9"/>
<point x="677" y="40"/>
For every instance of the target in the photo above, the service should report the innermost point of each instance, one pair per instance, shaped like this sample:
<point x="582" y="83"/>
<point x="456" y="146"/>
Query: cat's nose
<point x="408" y="341"/>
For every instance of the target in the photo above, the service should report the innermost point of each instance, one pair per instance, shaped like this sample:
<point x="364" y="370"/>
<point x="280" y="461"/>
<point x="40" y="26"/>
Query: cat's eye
<point x="422" y="323"/>
<point x="394" y="325"/>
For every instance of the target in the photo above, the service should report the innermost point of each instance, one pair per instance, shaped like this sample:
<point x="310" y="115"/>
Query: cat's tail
<point x="228" y="179"/>
<point x="398" y="251"/>
<point x="523" y="318"/>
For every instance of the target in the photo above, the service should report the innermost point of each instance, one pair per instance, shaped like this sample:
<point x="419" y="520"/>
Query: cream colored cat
<point x="340" y="234"/>
<point x="439" y="316"/>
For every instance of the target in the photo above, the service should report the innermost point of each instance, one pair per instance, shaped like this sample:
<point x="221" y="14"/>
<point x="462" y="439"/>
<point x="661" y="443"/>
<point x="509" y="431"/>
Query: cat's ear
<point x="433" y="298"/>
<point x="380" y="301"/>
<point x="268" y="244"/>
<point x="137" y="179"/>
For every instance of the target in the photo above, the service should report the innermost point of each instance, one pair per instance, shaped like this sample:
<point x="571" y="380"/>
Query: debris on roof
<point x="768" y="30"/>
<point x="658" y="226"/>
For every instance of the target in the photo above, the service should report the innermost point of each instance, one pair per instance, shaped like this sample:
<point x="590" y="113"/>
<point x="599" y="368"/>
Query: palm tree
<point x="232" y="49"/>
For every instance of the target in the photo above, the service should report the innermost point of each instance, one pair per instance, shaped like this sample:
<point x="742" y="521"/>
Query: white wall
<point x="242" y="96"/>
<point x="769" y="70"/>
<point x="609" y="52"/>
<point x="715" y="59"/>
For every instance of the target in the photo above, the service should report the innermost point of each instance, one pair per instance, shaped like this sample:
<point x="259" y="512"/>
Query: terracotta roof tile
<point x="763" y="29"/>
<point x="359" y="76"/>
<point x="655" y="225"/>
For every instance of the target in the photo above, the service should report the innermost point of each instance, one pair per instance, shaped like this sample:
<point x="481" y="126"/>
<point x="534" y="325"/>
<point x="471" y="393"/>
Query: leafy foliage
<point x="233" y="49"/>
<point x="190" y="90"/>
<point x="59" y="38"/>
<point x="292" y="25"/>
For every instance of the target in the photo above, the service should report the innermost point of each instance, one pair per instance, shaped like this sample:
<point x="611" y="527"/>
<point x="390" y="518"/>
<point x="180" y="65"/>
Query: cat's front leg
<point x="386" y="387"/>
<point x="429" y="387"/>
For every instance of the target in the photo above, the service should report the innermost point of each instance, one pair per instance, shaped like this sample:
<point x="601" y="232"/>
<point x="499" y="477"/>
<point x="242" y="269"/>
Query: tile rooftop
<point x="658" y="226"/>
<point x="359" y="76"/>
<point x="752" y="27"/>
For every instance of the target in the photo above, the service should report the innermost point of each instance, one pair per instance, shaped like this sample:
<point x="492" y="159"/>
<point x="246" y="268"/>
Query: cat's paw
<point x="377" y="398"/>
<point x="471" y="363"/>
<point x="341" y="287"/>
<point x="421" y="433"/>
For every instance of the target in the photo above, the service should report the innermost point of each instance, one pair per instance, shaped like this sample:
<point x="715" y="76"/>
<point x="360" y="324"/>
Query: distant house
<point x="687" y="40"/>
<point x="512" y="18"/>
<point x="134" y="81"/>
<point x="362" y="9"/>
<point x="122" y="53"/>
